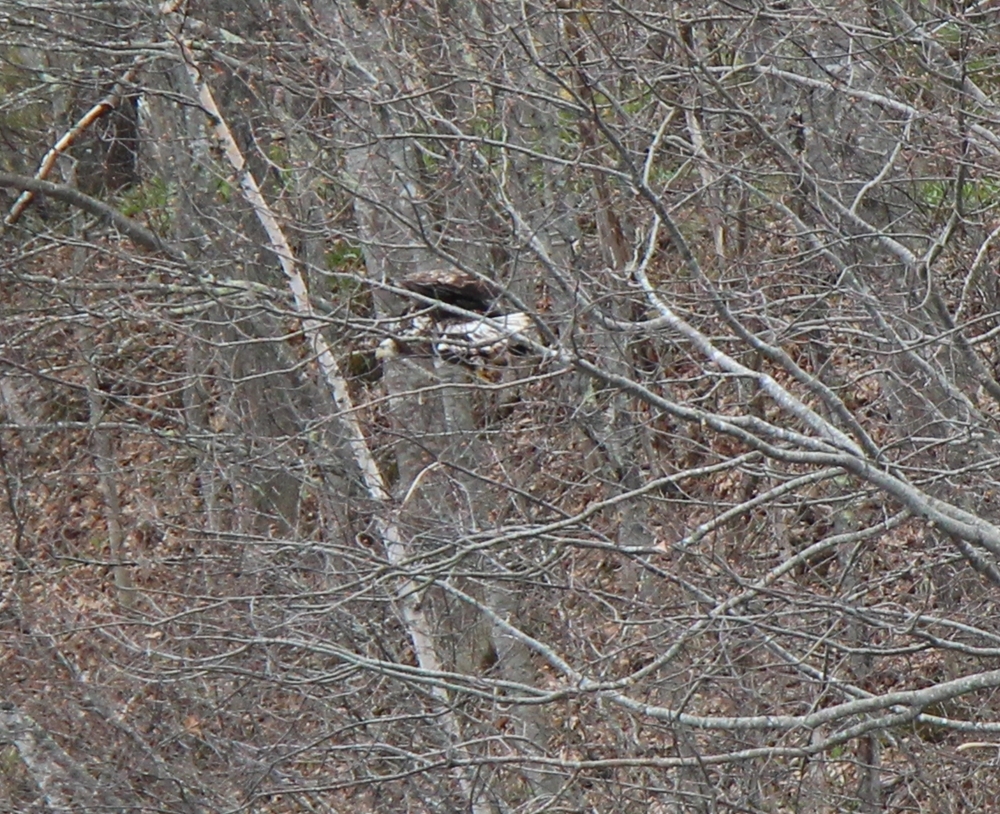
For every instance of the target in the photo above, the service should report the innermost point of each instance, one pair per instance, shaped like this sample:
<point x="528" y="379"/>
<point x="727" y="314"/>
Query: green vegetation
<point x="151" y="202"/>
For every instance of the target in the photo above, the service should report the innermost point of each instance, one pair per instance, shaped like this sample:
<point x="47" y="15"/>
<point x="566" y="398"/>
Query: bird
<point x="438" y="330"/>
<point x="456" y="288"/>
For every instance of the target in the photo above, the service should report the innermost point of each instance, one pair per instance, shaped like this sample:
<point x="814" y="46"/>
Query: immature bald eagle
<point x="455" y="288"/>
<point x="439" y="331"/>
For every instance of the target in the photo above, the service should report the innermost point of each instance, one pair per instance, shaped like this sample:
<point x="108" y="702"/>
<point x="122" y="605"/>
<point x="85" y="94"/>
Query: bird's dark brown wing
<point x="454" y="288"/>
